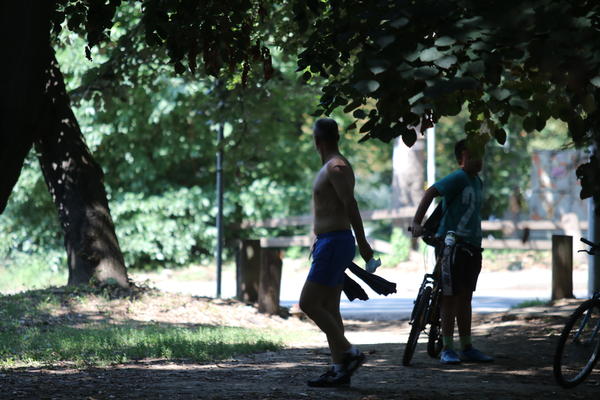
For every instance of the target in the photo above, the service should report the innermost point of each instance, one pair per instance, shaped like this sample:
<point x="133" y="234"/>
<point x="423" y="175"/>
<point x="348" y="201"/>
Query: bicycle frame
<point x="429" y="280"/>
<point x="585" y="321"/>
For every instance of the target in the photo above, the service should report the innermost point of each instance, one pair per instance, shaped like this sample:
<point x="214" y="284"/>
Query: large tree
<point x="36" y="109"/>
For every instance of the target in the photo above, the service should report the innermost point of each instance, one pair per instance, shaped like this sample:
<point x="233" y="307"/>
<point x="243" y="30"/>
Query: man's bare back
<point x="329" y="211"/>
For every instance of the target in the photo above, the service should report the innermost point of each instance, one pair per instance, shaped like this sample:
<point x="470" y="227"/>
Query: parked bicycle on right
<point x="578" y="348"/>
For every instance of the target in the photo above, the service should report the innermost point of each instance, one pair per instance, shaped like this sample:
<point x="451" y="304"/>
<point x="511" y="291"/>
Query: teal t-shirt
<point x="463" y="194"/>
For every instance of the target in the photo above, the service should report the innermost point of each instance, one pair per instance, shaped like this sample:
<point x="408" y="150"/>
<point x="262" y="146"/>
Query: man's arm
<point x="338" y="175"/>
<point x="430" y="194"/>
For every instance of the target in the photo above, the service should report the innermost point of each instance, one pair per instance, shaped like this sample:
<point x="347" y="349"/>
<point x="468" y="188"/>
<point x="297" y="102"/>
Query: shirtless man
<point x="335" y="211"/>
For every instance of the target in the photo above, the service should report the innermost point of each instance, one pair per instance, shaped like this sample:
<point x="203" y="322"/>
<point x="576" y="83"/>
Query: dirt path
<point x="522" y="342"/>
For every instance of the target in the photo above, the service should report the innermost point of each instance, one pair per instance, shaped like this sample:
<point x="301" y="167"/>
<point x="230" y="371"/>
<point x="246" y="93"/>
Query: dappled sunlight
<point x="282" y="375"/>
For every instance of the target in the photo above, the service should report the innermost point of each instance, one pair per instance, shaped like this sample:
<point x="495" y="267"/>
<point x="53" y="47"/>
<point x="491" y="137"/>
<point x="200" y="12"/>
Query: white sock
<point x="337" y="367"/>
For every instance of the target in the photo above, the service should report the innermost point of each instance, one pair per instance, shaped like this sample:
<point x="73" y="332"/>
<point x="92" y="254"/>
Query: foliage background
<point x="154" y="133"/>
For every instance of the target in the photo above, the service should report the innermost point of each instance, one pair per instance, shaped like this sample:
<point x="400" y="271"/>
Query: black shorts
<point x="465" y="268"/>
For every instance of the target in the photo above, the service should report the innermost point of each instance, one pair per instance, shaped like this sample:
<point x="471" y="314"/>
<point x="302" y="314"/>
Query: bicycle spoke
<point x="582" y="345"/>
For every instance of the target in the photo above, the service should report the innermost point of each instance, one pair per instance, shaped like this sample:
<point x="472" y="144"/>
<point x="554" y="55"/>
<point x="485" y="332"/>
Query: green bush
<point x="401" y="243"/>
<point x="173" y="228"/>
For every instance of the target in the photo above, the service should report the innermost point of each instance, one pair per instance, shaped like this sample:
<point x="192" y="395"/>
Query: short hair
<point x="326" y="130"/>
<point x="459" y="147"/>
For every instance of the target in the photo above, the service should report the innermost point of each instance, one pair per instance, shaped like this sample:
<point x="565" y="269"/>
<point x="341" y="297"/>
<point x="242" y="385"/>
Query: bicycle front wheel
<point x="579" y="345"/>
<point x="418" y="324"/>
<point x="434" y="343"/>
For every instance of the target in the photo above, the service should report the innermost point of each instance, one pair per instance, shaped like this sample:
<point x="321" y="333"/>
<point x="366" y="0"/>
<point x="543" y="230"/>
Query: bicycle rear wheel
<point x="579" y="345"/>
<point x="418" y="324"/>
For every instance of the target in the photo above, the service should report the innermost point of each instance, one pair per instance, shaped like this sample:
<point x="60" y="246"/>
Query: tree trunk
<point x="75" y="182"/>
<point x="408" y="177"/>
<point x="24" y="38"/>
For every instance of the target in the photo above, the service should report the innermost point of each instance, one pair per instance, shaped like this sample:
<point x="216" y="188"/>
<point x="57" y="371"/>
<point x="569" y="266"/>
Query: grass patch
<point x="26" y="272"/>
<point x="102" y="344"/>
<point x="88" y="326"/>
<point x="531" y="303"/>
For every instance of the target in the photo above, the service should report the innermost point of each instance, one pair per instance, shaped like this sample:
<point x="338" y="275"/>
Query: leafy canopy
<point x="401" y="64"/>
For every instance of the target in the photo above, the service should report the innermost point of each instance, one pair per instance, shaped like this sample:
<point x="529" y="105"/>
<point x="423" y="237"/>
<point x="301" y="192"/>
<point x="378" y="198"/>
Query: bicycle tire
<point x="418" y="325"/>
<point x="560" y="370"/>
<point x="434" y="342"/>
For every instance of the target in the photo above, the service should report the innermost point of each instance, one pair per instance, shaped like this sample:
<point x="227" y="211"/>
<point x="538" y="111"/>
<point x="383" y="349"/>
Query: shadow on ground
<point x="523" y="344"/>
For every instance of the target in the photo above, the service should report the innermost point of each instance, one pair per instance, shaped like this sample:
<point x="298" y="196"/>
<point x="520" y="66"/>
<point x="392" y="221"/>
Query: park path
<point x="497" y="291"/>
<point x="521" y="340"/>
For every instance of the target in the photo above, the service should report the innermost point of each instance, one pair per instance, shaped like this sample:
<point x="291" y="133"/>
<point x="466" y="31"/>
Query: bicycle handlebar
<point x="424" y="233"/>
<point x="584" y="240"/>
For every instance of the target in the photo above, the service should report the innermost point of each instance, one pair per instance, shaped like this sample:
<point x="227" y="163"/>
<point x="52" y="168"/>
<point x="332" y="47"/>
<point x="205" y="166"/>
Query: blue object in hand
<point x="373" y="264"/>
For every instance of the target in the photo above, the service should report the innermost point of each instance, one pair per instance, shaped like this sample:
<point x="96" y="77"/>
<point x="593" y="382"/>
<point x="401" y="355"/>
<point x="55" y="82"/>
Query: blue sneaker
<point x="474" y="355"/>
<point x="449" y="357"/>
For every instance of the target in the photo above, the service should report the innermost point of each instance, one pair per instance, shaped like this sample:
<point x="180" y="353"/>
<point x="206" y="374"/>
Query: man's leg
<point x="314" y="301"/>
<point x="464" y="317"/>
<point x="448" y="314"/>
<point x="333" y="306"/>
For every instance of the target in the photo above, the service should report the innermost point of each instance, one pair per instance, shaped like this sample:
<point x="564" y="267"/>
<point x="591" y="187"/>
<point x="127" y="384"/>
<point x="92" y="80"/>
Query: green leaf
<point x="449" y="106"/>
<point x="500" y="135"/>
<point x="500" y="94"/>
<point x="445" y="41"/>
<point x="360" y="114"/>
<point x="368" y="125"/>
<point x="378" y="66"/>
<point x="529" y="124"/>
<point x="476" y="68"/>
<point x="367" y="86"/>
<point x="353" y="105"/>
<point x="398" y="23"/>
<point x="409" y="137"/>
<point x="411" y="57"/>
<point x="385" y="40"/>
<point x="446" y="62"/>
<point x="424" y="73"/>
<point x="540" y="123"/>
<point x="430" y="54"/>
<point x="365" y="138"/>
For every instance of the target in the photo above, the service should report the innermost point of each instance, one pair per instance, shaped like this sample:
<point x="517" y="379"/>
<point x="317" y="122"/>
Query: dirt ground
<point x="521" y="340"/>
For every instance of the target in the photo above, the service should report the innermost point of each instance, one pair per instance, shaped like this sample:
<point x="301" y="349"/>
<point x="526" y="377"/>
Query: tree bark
<point x="408" y="176"/>
<point x="75" y="182"/>
<point x="24" y="37"/>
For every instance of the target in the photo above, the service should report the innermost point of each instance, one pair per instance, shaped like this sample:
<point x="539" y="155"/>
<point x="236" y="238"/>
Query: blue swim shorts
<point x="332" y="253"/>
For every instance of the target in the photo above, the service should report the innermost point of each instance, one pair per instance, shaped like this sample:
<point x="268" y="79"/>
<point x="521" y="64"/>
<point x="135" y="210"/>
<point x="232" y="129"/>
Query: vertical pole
<point x="430" y="181"/>
<point x="430" y="156"/>
<point x="591" y="236"/>
<point x="219" y="250"/>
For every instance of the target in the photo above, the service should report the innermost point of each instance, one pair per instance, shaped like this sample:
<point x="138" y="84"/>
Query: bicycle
<point x="426" y="311"/>
<point x="578" y="348"/>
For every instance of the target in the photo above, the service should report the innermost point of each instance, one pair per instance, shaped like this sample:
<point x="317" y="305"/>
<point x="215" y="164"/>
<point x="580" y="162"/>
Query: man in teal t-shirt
<point x="462" y="198"/>
<point x="462" y="204"/>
